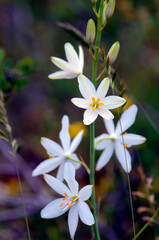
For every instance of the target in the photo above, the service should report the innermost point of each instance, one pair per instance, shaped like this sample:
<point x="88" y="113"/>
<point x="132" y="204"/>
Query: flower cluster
<point x="95" y="102"/>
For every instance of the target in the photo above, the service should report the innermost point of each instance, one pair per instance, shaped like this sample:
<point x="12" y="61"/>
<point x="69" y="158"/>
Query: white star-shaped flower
<point x="117" y="140"/>
<point x="72" y="199"/>
<point x="58" y="155"/>
<point x="95" y="101"/>
<point x="70" y="68"/>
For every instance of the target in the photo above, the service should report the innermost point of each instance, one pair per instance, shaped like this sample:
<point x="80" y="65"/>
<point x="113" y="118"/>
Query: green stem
<point x="82" y="163"/>
<point x="146" y="225"/>
<point x="92" y="126"/>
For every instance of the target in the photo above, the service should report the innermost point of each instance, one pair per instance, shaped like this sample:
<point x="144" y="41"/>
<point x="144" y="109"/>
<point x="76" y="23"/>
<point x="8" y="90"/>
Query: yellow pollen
<point x="61" y="204"/>
<point x="51" y="156"/>
<point x="93" y="99"/>
<point x="64" y="198"/>
<point x="126" y="145"/>
<point x="93" y="109"/>
<point x="100" y="104"/>
<point x="73" y="200"/>
<point x="125" y="133"/>
<point x="65" y="194"/>
<point x="67" y="203"/>
<point x="91" y="105"/>
<point x="98" y="99"/>
<point x="42" y="139"/>
<point x="70" y="205"/>
<point x="98" y="108"/>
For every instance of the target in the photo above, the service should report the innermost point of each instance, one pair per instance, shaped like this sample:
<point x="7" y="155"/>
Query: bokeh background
<point x="29" y="35"/>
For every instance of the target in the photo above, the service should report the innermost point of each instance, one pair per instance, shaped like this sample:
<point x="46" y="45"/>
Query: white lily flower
<point x="72" y="199"/>
<point x="59" y="155"/>
<point x="70" y="68"/>
<point x="119" y="140"/>
<point x="95" y="101"/>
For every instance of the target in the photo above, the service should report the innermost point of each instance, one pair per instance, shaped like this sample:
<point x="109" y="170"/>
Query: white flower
<point x="117" y="140"/>
<point x="74" y="65"/>
<point x="58" y="155"/>
<point x="95" y="101"/>
<point x="72" y="199"/>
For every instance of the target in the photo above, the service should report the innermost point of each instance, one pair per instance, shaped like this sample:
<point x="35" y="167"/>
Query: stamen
<point x="125" y="133"/>
<point x="65" y="194"/>
<point x="51" y="156"/>
<point x="100" y="104"/>
<point x="42" y="139"/>
<point x="61" y="204"/>
<point x="91" y="105"/>
<point x="126" y="145"/>
<point x="93" y="99"/>
<point x="64" y="198"/>
<point x="98" y="108"/>
<point x="67" y="203"/>
<point x="70" y="205"/>
<point x="93" y="109"/>
<point x="98" y="99"/>
<point x="73" y="200"/>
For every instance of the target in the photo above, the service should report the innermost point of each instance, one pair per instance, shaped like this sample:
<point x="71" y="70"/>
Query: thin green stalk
<point x="82" y="163"/>
<point x="92" y="126"/>
<point x="146" y="225"/>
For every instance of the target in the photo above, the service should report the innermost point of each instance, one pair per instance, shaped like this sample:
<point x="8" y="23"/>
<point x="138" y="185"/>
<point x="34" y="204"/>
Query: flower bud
<point x="90" y="31"/>
<point x="113" y="52"/>
<point x="104" y="17"/>
<point x="110" y="8"/>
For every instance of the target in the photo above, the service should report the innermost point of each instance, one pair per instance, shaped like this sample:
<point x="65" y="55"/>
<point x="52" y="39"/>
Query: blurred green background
<point x="35" y="105"/>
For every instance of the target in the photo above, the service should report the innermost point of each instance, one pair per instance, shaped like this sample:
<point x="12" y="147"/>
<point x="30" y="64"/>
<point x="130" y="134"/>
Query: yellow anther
<point x="64" y="198"/>
<point x="73" y="200"/>
<point x="70" y="205"/>
<point x="67" y="203"/>
<point x="98" y="99"/>
<point x="91" y="105"/>
<point x="93" y="109"/>
<point x="125" y="133"/>
<point x="126" y="145"/>
<point x="65" y="194"/>
<point x="51" y="156"/>
<point x="98" y="108"/>
<point x="61" y="204"/>
<point x="93" y="99"/>
<point x="100" y="104"/>
<point x="42" y="139"/>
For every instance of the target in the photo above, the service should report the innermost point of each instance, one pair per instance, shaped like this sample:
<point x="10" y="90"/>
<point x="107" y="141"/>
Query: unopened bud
<point x="90" y="31"/>
<point x="110" y="8"/>
<point x="113" y="52"/>
<point x="104" y="18"/>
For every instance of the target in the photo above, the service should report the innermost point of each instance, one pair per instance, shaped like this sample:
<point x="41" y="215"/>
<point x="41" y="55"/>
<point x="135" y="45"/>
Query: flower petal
<point x="53" y="209"/>
<point x="64" y="133"/>
<point x="89" y="116"/>
<point x="69" y="176"/>
<point x="57" y="185"/>
<point x="127" y="119"/>
<point x="105" y="157"/>
<point x="71" y="55"/>
<point x="80" y="102"/>
<point x="47" y="166"/>
<point x="51" y="147"/>
<point x="63" y="64"/>
<point x="85" y="192"/>
<point x="86" y="87"/>
<point x="109" y="125"/>
<point x="73" y="220"/>
<point x="76" y="141"/>
<point x="81" y="58"/>
<point x="123" y="156"/>
<point x="131" y="139"/>
<point x="112" y="102"/>
<point x="105" y="113"/>
<point x="103" y="88"/>
<point x="99" y="145"/>
<point x="62" y="75"/>
<point x="85" y="214"/>
<point x="60" y="172"/>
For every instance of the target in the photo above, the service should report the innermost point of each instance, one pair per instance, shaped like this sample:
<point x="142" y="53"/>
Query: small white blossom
<point x="119" y="140"/>
<point x="70" y="68"/>
<point x="95" y="101"/>
<point x="58" y="155"/>
<point x="72" y="199"/>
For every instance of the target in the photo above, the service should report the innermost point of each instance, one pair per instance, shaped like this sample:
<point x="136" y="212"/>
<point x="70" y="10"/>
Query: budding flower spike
<point x="74" y="65"/>
<point x="59" y="155"/>
<point x="95" y="101"/>
<point x="119" y="140"/>
<point x="72" y="200"/>
<point x="113" y="52"/>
